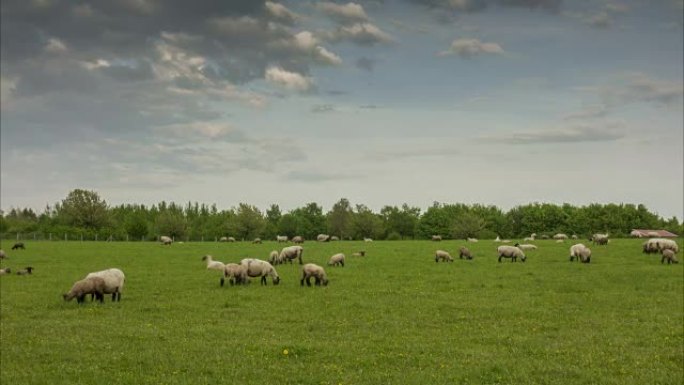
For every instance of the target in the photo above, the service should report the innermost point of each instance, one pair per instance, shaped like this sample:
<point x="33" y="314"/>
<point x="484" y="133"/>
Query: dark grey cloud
<point x="479" y="5"/>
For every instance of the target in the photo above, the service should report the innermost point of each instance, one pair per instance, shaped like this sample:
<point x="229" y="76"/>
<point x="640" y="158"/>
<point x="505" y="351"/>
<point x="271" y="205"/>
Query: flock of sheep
<point x="111" y="281"/>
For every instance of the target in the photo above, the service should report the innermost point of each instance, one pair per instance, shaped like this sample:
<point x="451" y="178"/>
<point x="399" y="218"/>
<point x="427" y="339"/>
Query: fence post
<point x="95" y="237"/>
<point x="65" y="236"/>
<point x="50" y="236"/>
<point x="17" y="236"/>
<point x="126" y="237"/>
<point x="81" y="237"/>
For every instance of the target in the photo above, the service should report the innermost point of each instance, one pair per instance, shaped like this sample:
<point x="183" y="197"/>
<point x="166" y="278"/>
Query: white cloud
<point x="360" y="33"/>
<point x="289" y="80"/>
<point x="350" y="12"/>
<point x="328" y="57"/>
<point x="467" y="48"/>
<point x="55" y="46"/>
<point x="281" y="12"/>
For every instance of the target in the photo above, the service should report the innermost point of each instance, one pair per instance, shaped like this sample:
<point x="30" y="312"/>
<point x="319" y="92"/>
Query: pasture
<point x="392" y="317"/>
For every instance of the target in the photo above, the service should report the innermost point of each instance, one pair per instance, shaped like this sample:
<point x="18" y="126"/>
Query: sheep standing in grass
<point x="560" y="236"/>
<point x="2" y="254"/>
<point x="6" y="270"/>
<point x="472" y="240"/>
<point x="236" y="274"/>
<point x="287" y="254"/>
<point x="317" y="272"/>
<point x="114" y="281"/>
<point x="274" y="257"/>
<point x="323" y="238"/>
<point x="25" y="271"/>
<point x="441" y="255"/>
<point x="585" y="255"/>
<point x="334" y="238"/>
<point x="669" y="256"/>
<point x="656" y="245"/>
<point x="526" y="246"/>
<point x="511" y="252"/>
<point x="297" y="239"/>
<point x="231" y="239"/>
<point x="337" y="259"/>
<point x="463" y="252"/>
<point x="436" y="238"/>
<point x="19" y="245"/>
<point x="94" y="286"/>
<point x="165" y="240"/>
<point x="258" y="268"/>
<point x="213" y="265"/>
<point x="361" y="253"/>
<point x="257" y="240"/>
<point x="576" y="251"/>
<point x="281" y="238"/>
<point x="599" y="239"/>
<point x="531" y="237"/>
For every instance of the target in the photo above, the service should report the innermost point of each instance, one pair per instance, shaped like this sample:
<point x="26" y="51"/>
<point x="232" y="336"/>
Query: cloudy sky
<point x="499" y="102"/>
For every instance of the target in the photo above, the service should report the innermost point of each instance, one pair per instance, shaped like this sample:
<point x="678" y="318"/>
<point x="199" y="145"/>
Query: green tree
<point x="340" y="219"/>
<point x="84" y="209"/>
<point x="468" y="225"/>
<point x="249" y="222"/>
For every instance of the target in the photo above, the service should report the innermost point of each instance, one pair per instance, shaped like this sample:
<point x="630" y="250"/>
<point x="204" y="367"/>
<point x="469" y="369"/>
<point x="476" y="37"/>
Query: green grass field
<point x="392" y="317"/>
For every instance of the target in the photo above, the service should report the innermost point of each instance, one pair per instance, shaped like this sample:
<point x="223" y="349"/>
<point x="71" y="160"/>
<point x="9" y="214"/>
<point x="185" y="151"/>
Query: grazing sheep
<point x="656" y="245"/>
<point x="361" y="253"/>
<point x="165" y="240"/>
<point x="223" y="239"/>
<point x="334" y="238"/>
<point x="436" y="238"/>
<point x="574" y="236"/>
<point x="443" y="255"/>
<point x="669" y="256"/>
<point x="530" y="238"/>
<point x="236" y="274"/>
<point x="544" y="236"/>
<point x="25" y="271"/>
<point x="297" y="239"/>
<point x="472" y="240"/>
<point x="599" y="239"/>
<point x="511" y="252"/>
<point x="231" y="239"/>
<point x="323" y="238"/>
<point x="19" y="245"/>
<point x="287" y="254"/>
<point x="337" y="259"/>
<point x="274" y="257"/>
<point x="525" y="246"/>
<point x="6" y="270"/>
<point x="114" y="281"/>
<point x="2" y="254"/>
<point x="368" y="239"/>
<point x="585" y="255"/>
<point x="576" y="251"/>
<point x="560" y="240"/>
<point x="213" y="265"/>
<point x="311" y="270"/>
<point x="258" y="268"/>
<point x="94" y="286"/>
<point x="560" y="236"/>
<point x="256" y="240"/>
<point x="463" y="252"/>
<point x="281" y="238"/>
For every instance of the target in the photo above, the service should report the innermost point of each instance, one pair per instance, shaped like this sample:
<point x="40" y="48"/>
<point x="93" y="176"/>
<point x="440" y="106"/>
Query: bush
<point x="393" y="236"/>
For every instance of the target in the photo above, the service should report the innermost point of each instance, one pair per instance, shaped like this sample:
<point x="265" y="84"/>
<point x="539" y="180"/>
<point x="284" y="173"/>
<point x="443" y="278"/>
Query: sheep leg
<point x="301" y="282"/>
<point x="342" y="263"/>
<point x="317" y="281"/>
<point x="222" y="281"/>
<point x="263" y="280"/>
<point x="100" y="297"/>
<point x="118" y="296"/>
<point x="500" y="258"/>
<point x="308" y="281"/>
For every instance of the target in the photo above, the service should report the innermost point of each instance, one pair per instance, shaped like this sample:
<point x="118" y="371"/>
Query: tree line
<point x="84" y="214"/>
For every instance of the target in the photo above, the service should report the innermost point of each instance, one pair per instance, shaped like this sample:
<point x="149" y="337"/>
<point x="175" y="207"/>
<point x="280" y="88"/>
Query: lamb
<point x="274" y="257"/>
<point x="258" y="268"/>
<point x="368" y="239"/>
<point x="323" y="237"/>
<point x="256" y="240"/>
<point x="472" y="240"/>
<point x="337" y="259"/>
<point x="526" y="246"/>
<point x="576" y="251"/>
<point x="236" y="274"/>
<point x="361" y="253"/>
<point x="311" y="270"/>
<point x="463" y="252"/>
<point x="530" y="238"/>
<point x="213" y="265"/>
<point x="19" y="245"/>
<point x="334" y="238"/>
<point x="165" y="240"/>
<point x="443" y="255"/>
<point x="2" y="254"/>
<point x="94" y="286"/>
<point x="281" y="238"/>
<point x="6" y="270"/>
<point x="114" y="281"/>
<point x="25" y="271"/>
<point x="574" y="236"/>
<point x="599" y="239"/>
<point x="669" y="256"/>
<point x="291" y="252"/>
<point x="231" y="239"/>
<point x="436" y="238"/>
<point x="511" y="252"/>
<point x="560" y="236"/>
<point x="297" y="239"/>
